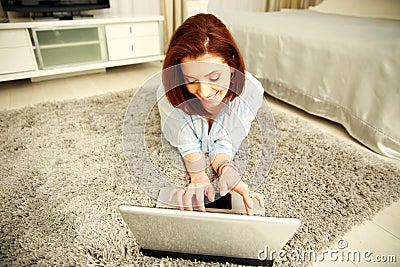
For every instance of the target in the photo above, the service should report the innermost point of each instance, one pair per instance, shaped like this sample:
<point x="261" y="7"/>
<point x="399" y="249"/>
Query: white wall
<point x="128" y="8"/>
<point x="244" y="5"/>
<point x="193" y="7"/>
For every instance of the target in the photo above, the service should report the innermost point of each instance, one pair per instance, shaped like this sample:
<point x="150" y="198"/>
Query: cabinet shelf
<point x="69" y="45"/>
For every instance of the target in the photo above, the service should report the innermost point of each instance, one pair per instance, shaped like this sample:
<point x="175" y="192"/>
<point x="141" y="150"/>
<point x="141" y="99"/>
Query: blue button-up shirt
<point x="190" y="133"/>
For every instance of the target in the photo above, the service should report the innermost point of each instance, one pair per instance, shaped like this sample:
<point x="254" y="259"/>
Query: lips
<point x="211" y="98"/>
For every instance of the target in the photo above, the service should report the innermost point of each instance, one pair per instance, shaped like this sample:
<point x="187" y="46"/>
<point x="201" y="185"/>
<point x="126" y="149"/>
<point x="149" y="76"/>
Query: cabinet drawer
<point x="16" y="60"/>
<point x="133" y="47"/>
<point x="14" y="38"/>
<point x="124" y="30"/>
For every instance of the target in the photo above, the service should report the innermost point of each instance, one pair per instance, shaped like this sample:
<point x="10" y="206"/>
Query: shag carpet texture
<point x="63" y="175"/>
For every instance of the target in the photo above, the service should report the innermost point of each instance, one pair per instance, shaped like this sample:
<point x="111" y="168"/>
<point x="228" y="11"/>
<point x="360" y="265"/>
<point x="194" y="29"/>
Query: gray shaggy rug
<point x="63" y="175"/>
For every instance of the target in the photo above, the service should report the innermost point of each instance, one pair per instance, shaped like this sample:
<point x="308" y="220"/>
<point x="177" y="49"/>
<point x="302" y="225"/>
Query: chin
<point x="213" y="103"/>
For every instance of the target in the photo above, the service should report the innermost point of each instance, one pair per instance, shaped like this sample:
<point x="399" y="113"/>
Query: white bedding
<point x="343" y="68"/>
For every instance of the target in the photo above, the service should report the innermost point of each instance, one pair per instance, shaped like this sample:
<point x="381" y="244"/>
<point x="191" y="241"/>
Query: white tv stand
<point x="47" y="49"/>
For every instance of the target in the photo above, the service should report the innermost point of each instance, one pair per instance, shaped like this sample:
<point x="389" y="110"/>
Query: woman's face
<point x="207" y="77"/>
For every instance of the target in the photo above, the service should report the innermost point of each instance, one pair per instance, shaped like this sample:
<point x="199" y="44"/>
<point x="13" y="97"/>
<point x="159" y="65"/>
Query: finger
<point x="259" y="198"/>
<point x="171" y="195"/>
<point x="187" y="198"/>
<point x="179" y="197"/>
<point x="223" y="187"/>
<point x="200" y="198"/>
<point x="210" y="192"/>
<point x="248" y="204"/>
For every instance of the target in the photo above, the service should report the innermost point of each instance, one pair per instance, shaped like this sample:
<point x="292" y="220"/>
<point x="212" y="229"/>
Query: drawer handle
<point x="130" y="29"/>
<point x="132" y="48"/>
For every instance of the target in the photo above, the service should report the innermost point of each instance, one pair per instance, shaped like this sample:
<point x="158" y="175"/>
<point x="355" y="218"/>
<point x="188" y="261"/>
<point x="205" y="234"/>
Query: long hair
<point x="199" y="35"/>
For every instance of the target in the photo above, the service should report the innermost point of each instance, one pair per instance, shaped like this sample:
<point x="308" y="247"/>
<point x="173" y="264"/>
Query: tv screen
<point x="53" y="5"/>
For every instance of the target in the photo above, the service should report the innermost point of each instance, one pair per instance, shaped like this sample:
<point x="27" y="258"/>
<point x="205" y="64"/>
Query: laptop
<point x="208" y="236"/>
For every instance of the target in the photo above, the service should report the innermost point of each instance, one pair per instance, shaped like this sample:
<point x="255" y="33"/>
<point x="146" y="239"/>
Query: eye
<point x="190" y="81"/>
<point x="215" y="77"/>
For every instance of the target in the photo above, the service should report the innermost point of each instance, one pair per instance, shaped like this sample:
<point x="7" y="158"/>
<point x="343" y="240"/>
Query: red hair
<point x="199" y="35"/>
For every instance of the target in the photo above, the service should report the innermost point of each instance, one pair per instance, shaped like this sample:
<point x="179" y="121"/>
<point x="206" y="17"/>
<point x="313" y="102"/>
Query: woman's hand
<point x="230" y="180"/>
<point x="199" y="187"/>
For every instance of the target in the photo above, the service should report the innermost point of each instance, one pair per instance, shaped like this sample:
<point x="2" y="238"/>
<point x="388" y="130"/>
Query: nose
<point x="204" y="90"/>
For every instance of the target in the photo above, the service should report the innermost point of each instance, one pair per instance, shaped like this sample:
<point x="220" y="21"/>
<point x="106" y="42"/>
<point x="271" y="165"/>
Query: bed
<point x="343" y="67"/>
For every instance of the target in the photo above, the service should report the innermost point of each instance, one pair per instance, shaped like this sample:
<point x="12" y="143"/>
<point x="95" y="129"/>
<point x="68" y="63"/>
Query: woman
<point x="207" y="103"/>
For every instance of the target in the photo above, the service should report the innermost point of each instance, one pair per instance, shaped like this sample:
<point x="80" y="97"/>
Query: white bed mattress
<point x="343" y="68"/>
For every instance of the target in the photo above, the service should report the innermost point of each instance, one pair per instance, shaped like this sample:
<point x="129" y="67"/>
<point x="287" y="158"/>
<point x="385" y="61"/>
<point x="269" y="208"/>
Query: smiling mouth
<point x="211" y="98"/>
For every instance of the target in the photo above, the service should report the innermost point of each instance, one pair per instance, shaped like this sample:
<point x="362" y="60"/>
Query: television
<point x="63" y="9"/>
